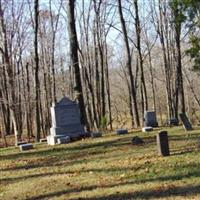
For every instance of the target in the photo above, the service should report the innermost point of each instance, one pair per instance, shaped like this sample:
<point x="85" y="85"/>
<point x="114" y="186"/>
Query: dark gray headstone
<point x="186" y="123"/>
<point x="173" y="122"/>
<point x="66" y="120"/>
<point x="162" y="143"/>
<point x="96" y="134"/>
<point x="24" y="147"/>
<point x="121" y="131"/>
<point x="150" y="119"/>
<point x="137" y="141"/>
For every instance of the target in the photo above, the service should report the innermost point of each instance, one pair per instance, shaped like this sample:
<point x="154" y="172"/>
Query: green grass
<point x="103" y="169"/>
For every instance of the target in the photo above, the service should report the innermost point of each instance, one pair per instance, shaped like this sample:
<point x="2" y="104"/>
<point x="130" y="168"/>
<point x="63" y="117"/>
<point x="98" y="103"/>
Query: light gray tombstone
<point x="65" y="121"/>
<point x="150" y="119"/>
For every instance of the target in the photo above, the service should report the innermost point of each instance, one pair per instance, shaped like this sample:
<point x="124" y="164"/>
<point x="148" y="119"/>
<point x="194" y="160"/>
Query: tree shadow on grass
<point x="158" y="192"/>
<point x="66" y="149"/>
<point x="151" y="194"/>
<point x="184" y="137"/>
<point x="194" y="168"/>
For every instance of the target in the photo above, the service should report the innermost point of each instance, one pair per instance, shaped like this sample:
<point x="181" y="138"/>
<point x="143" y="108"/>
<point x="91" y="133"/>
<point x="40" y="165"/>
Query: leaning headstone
<point x="137" y="140"/>
<point x="147" y="129"/>
<point x="186" y="123"/>
<point x="24" y="147"/>
<point x="121" y="131"/>
<point x="65" y="121"/>
<point x="96" y="134"/>
<point x="162" y="143"/>
<point x="150" y="119"/>
<point x="63" y="140"/>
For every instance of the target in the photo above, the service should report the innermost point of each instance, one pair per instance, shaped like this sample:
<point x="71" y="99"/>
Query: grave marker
<point x="186" y="123"/>
<point x="150" y="119"/>
<point x="65" y="121"/>
<point x="162" y="143"/>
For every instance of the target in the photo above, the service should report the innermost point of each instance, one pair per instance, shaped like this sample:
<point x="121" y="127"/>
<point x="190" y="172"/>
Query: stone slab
<point x="121" y="131"/>
<point x="63" y="140"/>
<point x="96" y="134"/>
<point x="147" y="129"/>
<point x="24" y="147"/>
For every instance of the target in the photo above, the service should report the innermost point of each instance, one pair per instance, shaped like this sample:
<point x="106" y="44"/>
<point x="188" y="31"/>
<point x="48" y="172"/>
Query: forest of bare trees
<point x="117" y="58"/>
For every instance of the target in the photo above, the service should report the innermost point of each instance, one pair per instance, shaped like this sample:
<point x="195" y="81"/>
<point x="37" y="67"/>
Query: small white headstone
<point x="147" y="129"/>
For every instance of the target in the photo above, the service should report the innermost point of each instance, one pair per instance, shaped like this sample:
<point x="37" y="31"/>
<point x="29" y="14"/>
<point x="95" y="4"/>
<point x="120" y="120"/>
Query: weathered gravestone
<point x="173" y="122"/>
<point x="24" y="147"/>
<point x="150" y="119"/>
<point x="121" y="131"/>
<point x="65" y="121"/>
<point x="137" y="140"/>
<point x="186" y="123"/>
<point x="162" y="143"/>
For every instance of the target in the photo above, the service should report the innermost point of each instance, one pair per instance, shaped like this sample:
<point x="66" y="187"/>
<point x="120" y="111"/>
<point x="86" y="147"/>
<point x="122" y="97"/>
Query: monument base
<point x="53" y="140"/>
<point x="72" y="132"/>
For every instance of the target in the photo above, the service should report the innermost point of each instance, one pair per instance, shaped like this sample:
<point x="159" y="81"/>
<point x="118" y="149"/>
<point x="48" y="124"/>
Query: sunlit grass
<point x="104" y="168"/>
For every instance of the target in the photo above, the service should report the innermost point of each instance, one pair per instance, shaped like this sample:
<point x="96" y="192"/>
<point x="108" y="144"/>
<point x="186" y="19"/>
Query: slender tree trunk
<point x="142" y="79"/>
<point x="74" y="58"/>
<point x="129" y="66"/>
<point x="37" y="83"/>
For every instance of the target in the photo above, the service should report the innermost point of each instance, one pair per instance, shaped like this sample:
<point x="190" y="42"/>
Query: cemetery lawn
<point x="107" y="168"/>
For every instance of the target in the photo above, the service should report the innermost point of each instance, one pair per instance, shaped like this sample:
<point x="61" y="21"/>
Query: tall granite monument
<point x="65" y="121"/>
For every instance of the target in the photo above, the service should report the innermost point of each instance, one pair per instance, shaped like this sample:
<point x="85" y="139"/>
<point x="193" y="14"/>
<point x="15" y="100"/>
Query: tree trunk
<point x="129" y="67"/>
<point x="74" y="58"/>
<point x="37" y="83"/>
